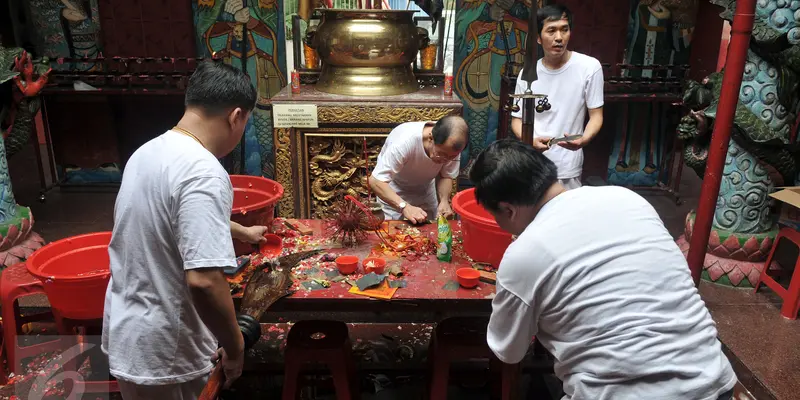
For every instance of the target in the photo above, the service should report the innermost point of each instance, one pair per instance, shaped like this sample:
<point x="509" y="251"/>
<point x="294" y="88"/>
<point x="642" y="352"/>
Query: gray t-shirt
<point x="172" y="214"/>
<point x="602" y="285"/>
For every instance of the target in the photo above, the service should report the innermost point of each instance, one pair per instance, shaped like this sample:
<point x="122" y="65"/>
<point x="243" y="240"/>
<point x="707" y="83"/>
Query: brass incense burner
<point x="367" y="52"/>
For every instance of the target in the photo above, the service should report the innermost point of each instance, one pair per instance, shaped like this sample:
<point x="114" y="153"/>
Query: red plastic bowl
<point x="483" y="240"/>
<point x="347" y="264"/>
<point x="254" y="200"/>
<point x="272" y="247"/>
<point x="75" y="273"/>
<point x="379" y="265"/>
<point x="468" y="277"/>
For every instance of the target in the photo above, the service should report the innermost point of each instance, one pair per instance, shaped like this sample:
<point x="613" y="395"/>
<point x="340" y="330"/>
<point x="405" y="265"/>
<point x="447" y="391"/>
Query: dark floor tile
<point x="765" y="342"/>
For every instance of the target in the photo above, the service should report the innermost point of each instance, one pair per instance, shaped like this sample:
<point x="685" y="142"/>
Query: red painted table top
<point x="427" y="280"/>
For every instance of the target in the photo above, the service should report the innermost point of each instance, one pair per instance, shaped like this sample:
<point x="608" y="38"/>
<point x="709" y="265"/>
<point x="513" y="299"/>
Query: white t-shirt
<point x="602" y="285"/>
<point x="409" y="171"/>
<point x="571" y="90"/>
<point x="172" y="214"/>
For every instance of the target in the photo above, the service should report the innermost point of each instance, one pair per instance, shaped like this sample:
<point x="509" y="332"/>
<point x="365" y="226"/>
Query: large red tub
<point x="483" y="240"/>
<point x="254" y="200"/>
<point x="75" y="272"/>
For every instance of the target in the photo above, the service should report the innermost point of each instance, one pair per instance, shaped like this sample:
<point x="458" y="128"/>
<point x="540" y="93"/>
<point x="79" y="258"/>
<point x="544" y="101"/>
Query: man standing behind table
<point x="599" y="281"/>
<point x="168" y="304"/>
<point x="573" y="83"/>
<point x="416" y="167"/>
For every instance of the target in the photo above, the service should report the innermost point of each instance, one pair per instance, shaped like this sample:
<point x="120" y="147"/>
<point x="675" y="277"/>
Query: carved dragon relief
<point x="336" y="168"/>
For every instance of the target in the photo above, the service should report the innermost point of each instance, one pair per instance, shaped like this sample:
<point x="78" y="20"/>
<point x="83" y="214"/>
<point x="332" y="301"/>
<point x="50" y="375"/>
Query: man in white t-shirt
<point x="416" y="167"/>
<point x="573" y="83"/>
<point x="168" y="304"/>
<point x="596" y="277"/>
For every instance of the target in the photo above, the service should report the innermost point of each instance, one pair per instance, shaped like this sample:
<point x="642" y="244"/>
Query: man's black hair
<point x="447" y="126"/>
<point x="513" y="172"/>
<point x="217" y="88"/>
<point x="553" y="12"/>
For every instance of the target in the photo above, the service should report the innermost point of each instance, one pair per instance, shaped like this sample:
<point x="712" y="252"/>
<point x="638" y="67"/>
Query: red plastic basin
<point x="254" y="200"/>
<point x="75" y="273"/>
<point x="483" y="240"/>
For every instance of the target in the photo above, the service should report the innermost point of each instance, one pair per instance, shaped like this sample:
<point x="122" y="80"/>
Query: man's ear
<point x="236" y="116"/>
<point x="506" y="210"/>
<point x="539" y="39"/>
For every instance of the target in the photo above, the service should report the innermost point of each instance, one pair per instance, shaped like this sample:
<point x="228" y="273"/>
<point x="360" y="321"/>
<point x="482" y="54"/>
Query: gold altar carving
<point x="283" y="169"/>
<point x="381" y="115"/>
<point x="336" y="168"/>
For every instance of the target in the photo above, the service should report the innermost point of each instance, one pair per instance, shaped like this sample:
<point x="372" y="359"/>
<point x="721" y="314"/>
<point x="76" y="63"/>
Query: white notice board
<point x="295" y="116"/>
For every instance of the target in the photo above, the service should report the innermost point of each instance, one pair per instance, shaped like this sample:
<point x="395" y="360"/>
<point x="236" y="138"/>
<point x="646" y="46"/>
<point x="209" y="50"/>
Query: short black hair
<point x="217" y="88"/>
<point x="447" y="126"/>
<point x="513" y="172"/>
<point x="553" y="12"/>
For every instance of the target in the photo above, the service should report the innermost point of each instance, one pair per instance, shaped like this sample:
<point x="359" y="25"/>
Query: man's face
<point x="444" y="153"/>
<point x="555" y="37"/>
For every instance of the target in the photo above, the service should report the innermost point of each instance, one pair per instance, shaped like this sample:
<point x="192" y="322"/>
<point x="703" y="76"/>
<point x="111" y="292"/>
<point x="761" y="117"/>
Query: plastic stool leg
<point x="440" y="368"/>
<point x="291" y="375"/>
<point x="763" y="275"/>
<point x="791" y="303"/>
<point x="341" y="378"/>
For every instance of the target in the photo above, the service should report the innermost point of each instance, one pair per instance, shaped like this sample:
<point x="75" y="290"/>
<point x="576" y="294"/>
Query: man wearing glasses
<point x="416" y="167"/>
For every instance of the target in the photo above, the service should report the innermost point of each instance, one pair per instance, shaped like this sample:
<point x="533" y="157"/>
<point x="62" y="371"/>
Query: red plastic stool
<point x="320" y="341"/>
<point x="3" y="370"/>
<point x="791" y="297"/>
<point x="70" y="331"/>
<point x="461" y="338"/>
<point x="15" y="283"/>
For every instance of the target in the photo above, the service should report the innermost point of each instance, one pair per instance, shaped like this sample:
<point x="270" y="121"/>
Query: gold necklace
<point x="187" y="133"/>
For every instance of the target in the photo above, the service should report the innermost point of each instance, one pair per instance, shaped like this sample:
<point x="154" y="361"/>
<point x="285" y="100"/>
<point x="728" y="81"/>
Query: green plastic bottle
<point x="444" y="250"/>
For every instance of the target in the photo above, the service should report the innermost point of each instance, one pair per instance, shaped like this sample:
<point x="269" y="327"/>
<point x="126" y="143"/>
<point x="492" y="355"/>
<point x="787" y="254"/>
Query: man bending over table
<point x="168" y="304"/>
<point x="414" y="174"/>
<point x="599" y="281"/>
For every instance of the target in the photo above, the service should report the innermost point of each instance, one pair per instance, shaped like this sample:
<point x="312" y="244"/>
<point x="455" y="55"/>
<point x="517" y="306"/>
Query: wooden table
<point x="424" y="299"/>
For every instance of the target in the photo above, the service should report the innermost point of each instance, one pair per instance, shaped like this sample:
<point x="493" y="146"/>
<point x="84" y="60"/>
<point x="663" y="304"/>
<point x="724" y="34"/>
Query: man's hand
<point x="253" y="234"/>
<point x="444" y="209"/>
<point x="415" y="215"/>
<point x="540" y="143"/>
<point x="231" y="366"/>
<point x="573" y="145"/>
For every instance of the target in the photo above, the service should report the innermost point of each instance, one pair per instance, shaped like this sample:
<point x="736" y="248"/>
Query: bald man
<point x="416" y="167"/>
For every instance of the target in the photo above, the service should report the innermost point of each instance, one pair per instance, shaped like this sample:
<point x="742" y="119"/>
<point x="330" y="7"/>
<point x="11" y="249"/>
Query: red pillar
<point x="731" y="82"/>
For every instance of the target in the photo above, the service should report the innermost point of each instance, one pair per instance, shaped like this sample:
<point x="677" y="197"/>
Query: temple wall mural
<point x="249" y="35"/>
<point x="480" y="61"/>
<point x="66" y="28"/>
<point x="659" y="33"/>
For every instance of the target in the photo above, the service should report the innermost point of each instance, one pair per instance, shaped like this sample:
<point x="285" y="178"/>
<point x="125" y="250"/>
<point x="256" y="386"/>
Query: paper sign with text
<point x="295" y="116"/>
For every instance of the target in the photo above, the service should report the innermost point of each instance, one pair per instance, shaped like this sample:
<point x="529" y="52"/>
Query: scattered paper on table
<point x="399" y="283"/>
<point x="311" y="285"/>
<point x="451" y="286"/>
<point x="369" y="280"/>
<point x="381" y="292"/>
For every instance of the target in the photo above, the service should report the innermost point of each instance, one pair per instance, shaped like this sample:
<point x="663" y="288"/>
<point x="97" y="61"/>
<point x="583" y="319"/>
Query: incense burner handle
<point x="423" y="40"/>
<point x="311" y="36"/>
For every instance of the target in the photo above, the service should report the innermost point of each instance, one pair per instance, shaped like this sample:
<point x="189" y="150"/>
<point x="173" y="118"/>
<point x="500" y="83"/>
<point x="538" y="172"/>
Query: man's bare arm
<point x="516" y="127"/>
<point x="385" y="192"/>
<point x="211" y="296"/>
<point x="594" y="125"/>
<point x="443" y="188"/>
